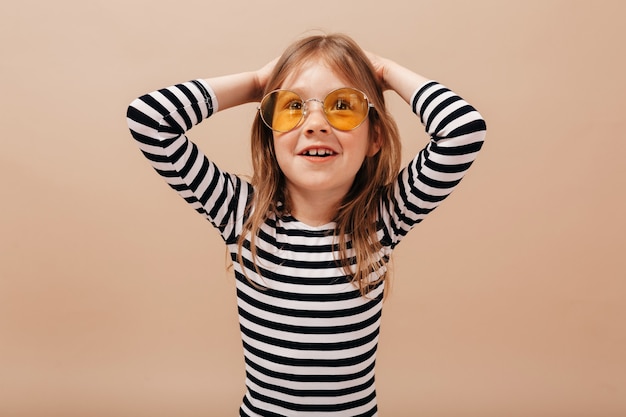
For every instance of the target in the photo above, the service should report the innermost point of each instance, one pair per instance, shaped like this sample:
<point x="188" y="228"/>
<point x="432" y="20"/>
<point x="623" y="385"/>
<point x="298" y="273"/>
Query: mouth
<point x="318" y="152"/>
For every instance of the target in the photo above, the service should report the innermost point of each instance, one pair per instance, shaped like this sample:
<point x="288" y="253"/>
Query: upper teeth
<point x="314" y="152"/>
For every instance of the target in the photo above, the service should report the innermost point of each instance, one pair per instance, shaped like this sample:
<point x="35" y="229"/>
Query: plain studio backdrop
<point x="116" y="298"/>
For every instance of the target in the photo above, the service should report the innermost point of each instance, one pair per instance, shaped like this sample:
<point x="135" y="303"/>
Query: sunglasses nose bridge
<point x="305" y="105"/>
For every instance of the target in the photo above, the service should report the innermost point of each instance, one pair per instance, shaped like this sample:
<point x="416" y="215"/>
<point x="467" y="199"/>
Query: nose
<point x="314" y="117"/>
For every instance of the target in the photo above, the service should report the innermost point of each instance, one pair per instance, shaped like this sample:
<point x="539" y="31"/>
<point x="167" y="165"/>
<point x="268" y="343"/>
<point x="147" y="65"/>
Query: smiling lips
<point x="319" y="152"/>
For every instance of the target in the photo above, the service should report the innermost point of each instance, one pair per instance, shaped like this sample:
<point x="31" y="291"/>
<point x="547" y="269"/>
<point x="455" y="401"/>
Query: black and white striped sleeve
<point x="158" y="122"/>
<point x="457" y="132"/>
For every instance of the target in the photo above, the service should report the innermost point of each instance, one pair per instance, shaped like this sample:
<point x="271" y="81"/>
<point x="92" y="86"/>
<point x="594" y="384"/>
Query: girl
<point x="311" y="234"/>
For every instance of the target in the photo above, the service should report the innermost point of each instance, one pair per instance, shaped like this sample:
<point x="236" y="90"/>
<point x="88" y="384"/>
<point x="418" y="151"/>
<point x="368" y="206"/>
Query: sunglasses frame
<point x="305" y="108"/>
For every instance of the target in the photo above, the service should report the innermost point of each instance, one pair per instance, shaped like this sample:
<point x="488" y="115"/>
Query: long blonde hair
<point x="358" y="212"/>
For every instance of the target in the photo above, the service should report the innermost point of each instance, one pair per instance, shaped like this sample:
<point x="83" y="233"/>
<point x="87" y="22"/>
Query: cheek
<point x="283" y="148"/>
<point x="358" y="142"/>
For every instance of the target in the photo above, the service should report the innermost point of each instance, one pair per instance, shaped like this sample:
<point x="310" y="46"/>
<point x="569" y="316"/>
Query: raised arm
<point x="456" y="131"/>
<point x="236" y="89"/>
<point x="158" y="121"/>
<point x="394" y="76"/>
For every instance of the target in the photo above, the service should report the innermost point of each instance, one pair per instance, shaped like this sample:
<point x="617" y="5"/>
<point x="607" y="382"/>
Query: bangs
<point x="342" y="55"/>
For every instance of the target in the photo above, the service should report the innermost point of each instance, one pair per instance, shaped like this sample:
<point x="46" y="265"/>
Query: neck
<point x="314" y="209"/>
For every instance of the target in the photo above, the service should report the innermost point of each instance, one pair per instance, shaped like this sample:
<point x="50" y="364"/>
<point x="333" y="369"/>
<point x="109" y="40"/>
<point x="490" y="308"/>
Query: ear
<point x="375" y="143"/>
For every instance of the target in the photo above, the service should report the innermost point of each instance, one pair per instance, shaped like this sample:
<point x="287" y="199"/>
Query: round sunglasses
<point x="345" y="109"/>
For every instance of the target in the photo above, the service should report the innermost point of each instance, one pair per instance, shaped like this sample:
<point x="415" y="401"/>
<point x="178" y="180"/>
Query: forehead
<point x="315" y="77"/>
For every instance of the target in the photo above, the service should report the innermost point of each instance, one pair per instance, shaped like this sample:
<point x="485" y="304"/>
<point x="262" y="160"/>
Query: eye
<point x="294" y="105"/>
<point x="342" y="104"/>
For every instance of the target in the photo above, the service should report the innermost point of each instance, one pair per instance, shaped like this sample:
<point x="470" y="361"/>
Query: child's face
<point x="342" y="152"/>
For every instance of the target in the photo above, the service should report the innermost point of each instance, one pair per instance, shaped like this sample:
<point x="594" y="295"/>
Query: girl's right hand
<point x="240" y="88"/>
<point x="262" y="76"/>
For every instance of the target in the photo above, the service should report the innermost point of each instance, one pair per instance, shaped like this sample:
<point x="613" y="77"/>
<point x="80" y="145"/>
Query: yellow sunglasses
<point x="345" y="109"/>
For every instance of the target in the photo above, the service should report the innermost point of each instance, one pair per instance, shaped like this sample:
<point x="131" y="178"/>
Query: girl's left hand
<point x="380" y="67"/>
<point x="393" y="76"/>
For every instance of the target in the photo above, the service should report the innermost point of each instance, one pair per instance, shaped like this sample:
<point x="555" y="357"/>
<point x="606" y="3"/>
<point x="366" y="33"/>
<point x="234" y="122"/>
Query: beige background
<point x="508" y="301"/>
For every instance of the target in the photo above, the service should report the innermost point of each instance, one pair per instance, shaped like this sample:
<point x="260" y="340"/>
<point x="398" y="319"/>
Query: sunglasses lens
<point x="282" y="110"/>
<point x="346" y="108"/>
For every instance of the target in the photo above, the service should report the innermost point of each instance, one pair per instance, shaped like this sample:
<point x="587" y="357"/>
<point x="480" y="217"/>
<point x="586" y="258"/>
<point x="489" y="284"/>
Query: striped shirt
<point x="309" y="336"/>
